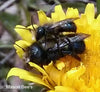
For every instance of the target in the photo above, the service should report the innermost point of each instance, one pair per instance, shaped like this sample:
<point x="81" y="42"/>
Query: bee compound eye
<point x="72" y="26"/>
<point x="40" y="32"/>
<point x="35" y="51"/>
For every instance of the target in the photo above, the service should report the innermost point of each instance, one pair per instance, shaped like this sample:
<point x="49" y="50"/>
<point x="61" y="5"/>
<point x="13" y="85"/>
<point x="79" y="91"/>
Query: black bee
<point x="54" y="29"/>
<point x="71" y="44"/>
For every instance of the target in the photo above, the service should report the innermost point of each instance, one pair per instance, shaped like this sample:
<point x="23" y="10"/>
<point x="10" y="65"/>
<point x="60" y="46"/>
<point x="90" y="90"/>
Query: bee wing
<point x="66" y="25"/>
<point x="78" y="37"/>
<point x="57" y="25"/>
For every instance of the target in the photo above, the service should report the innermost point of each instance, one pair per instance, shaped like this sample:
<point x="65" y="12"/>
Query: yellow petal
<point x="53" y="73"/>
<point x="98" y="18"/>
<point x="90" y="12"/>
<point x="24" y="33"/>
<point x="22" y="43"/>
<point x="46" y="77"/>
<point x="31" y="27"/>
<point x="20" y="46"/>
<point x="19" y="51"/>
<point x="58" y="14"/>
<point x="72" y="77"/>
<point x="38" y="68"/>
<point x="60" y="65"/>
<point x="72" y="13"/>
<point x="33" y="32"/>
<point x="64" y="89"/>
<point x="76" y="72"/>
<point x="42" y="17"/>
<point x="54" y="17"/>
<point x="97" y="85"/>
<point x="96" y="23"/>
<point x="23" y="74"/>
<point x="82" y="24"/>
<point x="49" y="19"/>
<point x="50" y="91"/>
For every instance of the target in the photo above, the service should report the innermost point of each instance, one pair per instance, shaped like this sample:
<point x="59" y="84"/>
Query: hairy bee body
<point x="50" y="29"/>
<point x="71" y="44"/>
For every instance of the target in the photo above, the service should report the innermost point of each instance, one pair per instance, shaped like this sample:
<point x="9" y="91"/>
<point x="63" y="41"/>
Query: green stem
<point x="6" y="46"/>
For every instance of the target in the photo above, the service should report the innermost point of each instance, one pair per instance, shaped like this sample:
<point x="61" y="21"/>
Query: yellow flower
<point x="69" y="75"/>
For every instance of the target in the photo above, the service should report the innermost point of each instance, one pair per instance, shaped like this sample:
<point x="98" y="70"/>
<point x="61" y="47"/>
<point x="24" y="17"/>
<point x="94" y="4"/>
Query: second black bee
<point x="71" y="44"/>
<point x="54" y="29"/>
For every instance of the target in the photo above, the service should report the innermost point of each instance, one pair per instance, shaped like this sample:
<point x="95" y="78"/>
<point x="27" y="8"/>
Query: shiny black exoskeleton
<point x="50" y="29"/>
<point x="53" y="29"/>
<point x="71" y="44"/>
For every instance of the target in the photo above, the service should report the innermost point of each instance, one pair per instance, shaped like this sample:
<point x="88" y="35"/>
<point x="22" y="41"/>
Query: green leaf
<point x="98" y="6"/>
<point x="3" y="72"/>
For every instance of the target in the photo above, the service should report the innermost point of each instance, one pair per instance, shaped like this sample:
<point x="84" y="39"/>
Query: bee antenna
<point x="76" y="18"/>
<point x="20" y="47"/>
<point x="32" y="22"/>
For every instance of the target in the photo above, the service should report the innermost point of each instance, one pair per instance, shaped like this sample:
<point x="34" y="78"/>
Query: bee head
<point x="36" y="53"/>
<point x="40" y="32"/>
<point x="71" y="26"/>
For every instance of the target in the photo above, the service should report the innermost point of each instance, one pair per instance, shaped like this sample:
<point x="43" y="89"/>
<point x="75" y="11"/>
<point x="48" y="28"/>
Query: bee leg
<point x="57" y="41"/>
<point x="45" y="37"/>
<point x="44" y="90"/>
<point x="67" y="41"/>
<point x="76" y="56"/>
<point x="59" y="49"/>
<point x="32" y="23"/>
